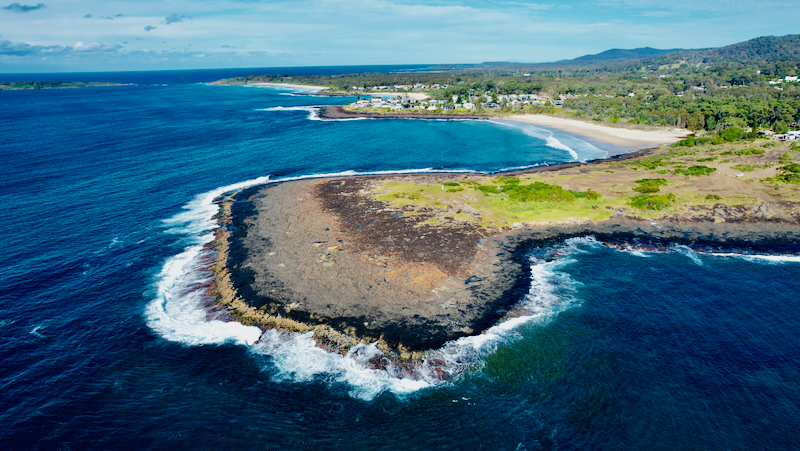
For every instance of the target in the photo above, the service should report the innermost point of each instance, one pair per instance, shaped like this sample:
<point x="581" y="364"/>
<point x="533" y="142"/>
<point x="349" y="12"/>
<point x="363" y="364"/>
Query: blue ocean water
<point x="204" y="75"/>
<point x="104" y="346"/>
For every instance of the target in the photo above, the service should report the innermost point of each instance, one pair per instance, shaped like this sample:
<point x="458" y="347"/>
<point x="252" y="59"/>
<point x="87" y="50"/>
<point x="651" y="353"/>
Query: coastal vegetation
<point x="20" y="85"/>
<point x="598" y="191"/>
<point x="729" y="92"/>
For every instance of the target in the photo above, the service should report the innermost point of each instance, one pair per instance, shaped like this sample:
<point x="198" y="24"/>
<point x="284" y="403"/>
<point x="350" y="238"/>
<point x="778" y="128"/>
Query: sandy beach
<point x="288" y="85"/>
<point x="613" y="135"/>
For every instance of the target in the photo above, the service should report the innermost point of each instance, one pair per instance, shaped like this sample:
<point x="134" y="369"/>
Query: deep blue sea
<point x="104" y="344"/>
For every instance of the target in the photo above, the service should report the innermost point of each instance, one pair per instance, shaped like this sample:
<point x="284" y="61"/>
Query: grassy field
<point x="672" y="180"/>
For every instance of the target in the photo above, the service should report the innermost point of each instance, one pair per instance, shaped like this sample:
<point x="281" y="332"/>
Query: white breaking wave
<point x="313" y="111"/>
<point x="521" y="168"/>
<point x="696" y="256"/>
<point x="541" y="133"/>
<point x="296" y="358"/>
<point x="550" y="293"/>
<point x="689" y="252"/>
<point x="177" y="312"/>
<point x="760" y="258"/>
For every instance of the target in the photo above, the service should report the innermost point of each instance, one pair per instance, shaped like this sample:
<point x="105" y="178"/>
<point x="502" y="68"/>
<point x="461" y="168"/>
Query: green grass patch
<point x="451" y="184"/>
<point x="649" y="185"/>
<point x="588" y="194"/>
<point x="653" y="202"/>
<point x="695" y="171"/>
<point x="747" y="151"/>
<point x="789" y="174"/>
<point x="793" y="168"/>
<point x="535" y="192"/>
<point x="455" y="190"/>
<point x="652" y="163"/>
<point x="750" y="167"/>
<point x="704" y="160"/>
<point x="509" y="180"/>
<point x="408" y="196"/>
<point x="713" y="197"/>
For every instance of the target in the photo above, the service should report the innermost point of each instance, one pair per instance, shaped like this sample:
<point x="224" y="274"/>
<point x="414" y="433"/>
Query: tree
<point x="780" y="127"/>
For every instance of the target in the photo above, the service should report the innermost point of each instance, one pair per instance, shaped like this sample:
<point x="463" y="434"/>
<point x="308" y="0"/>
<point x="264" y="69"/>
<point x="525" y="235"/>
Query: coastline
<point x="288" y="85"/>
<point x="331" y="256"/>
<point x="340" y="112"/>
<point x="280" y="294"/>
<point x="403" y="263"/>
<point x="617" y="136"/>
<point x="612" y="135"/>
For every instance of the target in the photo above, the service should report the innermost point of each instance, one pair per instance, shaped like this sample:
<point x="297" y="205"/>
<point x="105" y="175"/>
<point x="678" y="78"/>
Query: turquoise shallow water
<point x="106" y="193"/>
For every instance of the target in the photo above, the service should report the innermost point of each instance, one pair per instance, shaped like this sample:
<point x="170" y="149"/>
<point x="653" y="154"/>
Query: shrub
<point x="451" y="184"/>
<point x="508" y="180"/>
<point x="794" y="168"/>
<point x="535" y="192"/>
<point x="731" y="134"/>
<point x="750" y="167"/>
<point x="656" y="202"/>
<point x="649" y="185"/>
<point x="713" y="197"/>
<point x="703" y="160"/>
<point x="695" y="170"/>
<point x="747" y="151"/>
<point x="588" y="194"/>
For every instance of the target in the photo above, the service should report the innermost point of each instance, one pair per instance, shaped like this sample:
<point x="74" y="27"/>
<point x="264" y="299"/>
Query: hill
<point x="619" y="54"/>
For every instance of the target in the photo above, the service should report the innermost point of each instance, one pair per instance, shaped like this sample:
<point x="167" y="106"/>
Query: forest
<point x="710" y="89"/>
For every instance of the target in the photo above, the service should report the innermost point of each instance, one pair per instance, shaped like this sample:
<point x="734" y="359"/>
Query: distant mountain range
<point x="766" y="48"/>
<point x="619" y="54"/>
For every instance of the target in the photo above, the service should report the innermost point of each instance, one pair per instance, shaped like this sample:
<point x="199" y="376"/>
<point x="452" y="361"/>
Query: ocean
<point x="105" y="345"/>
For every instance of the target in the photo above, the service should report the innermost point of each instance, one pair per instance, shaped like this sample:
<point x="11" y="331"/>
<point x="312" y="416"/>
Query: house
<point x="448" y="107"/>
<point x="790" y="79"/>
<point x="793" y="135"/>
<point x="468" y="106"/>
<point x="433" y="108"/>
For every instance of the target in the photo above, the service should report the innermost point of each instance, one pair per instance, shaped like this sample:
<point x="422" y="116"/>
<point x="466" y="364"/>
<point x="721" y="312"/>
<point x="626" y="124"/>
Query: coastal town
<point x="467" y="103"/>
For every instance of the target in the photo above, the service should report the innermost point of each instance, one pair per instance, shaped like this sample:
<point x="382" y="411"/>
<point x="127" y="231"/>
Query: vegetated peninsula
<point x="753" y="84"/>
<point x="412" y="261"/>
<point x="21" y="85"/>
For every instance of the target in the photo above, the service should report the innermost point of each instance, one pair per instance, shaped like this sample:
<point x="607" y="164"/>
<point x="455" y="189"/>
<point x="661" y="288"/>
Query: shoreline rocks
<point x="321" y="256"/>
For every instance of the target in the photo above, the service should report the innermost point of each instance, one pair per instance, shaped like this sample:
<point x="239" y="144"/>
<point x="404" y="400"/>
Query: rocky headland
<point x="412" y="261"/>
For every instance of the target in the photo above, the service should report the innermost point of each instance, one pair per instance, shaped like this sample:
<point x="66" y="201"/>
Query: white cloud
<point x="330" y="32"/>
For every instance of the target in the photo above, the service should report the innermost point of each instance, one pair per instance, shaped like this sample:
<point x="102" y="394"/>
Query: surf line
<point x="179" y="313"/>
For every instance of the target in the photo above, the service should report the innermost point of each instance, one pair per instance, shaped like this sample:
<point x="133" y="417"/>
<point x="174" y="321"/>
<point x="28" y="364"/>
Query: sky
<point x="115" y="35"/>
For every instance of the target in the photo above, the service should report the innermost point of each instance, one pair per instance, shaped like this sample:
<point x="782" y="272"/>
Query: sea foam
<point x="178" y="313"/>
<point x="313" y="113"/>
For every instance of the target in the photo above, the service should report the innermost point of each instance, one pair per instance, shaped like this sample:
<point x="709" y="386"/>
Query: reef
<point x="412" y="261"/>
